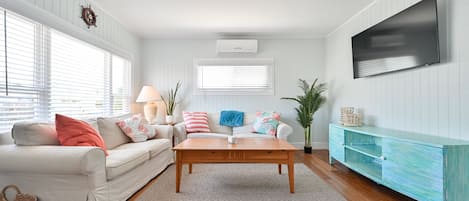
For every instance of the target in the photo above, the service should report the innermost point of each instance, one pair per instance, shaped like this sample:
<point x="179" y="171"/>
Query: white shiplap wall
<point x="64" y="15"/>
<point x="167" y="61"/>
<point x="431" y="100"/>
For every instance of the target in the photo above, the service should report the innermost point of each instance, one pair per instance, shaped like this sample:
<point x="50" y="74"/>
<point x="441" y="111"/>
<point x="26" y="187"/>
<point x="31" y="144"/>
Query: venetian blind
<point x="21" y="70"/>
<point x="44" y="72"/>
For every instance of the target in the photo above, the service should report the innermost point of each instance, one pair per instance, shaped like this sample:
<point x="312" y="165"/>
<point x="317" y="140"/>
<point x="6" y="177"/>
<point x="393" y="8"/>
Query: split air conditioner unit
<point x="236" y="46"/>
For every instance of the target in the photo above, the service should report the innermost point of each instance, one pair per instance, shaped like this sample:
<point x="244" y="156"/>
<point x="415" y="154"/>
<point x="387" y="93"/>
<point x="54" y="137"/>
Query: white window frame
<point x="269" y="62"/>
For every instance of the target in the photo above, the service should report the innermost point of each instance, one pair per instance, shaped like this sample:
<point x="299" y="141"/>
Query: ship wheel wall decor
<point x="88" y="16"/>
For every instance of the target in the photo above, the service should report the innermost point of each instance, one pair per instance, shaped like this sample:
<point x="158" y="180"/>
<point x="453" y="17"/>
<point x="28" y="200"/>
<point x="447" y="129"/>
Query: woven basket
<point x="344" y="112"/>
<point x="19" y="196"/>
<point x="353" y="120"/>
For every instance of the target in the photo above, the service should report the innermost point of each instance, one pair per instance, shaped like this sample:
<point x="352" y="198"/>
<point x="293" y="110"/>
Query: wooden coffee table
<point x="246" y="150"/>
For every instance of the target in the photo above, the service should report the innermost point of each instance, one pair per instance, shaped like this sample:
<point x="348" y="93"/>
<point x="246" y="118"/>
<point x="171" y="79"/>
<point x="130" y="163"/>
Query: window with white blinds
<point x="44" y="72"/>
<point x="234" y="76"/>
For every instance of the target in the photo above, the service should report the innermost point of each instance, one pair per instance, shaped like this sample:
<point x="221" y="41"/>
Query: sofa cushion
<point x="154" y="147"/>
<point x="120" y="161"/>
<point x="136" y="128"/>
<point x="243" y="129"/>
<point x="111" y="133"/>
<point x="266" y="123"/>
<point x="196" y="122"/>
<point x="207" y="135"/>
<point x="34" y="133"/>
<point x="215" y="127"/>
<point x="253" y="135"/>
<point x="73" y="132"/>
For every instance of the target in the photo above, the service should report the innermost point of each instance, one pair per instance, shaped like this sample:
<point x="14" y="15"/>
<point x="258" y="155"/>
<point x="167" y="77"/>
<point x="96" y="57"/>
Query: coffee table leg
<point x="279" y="168"/>
<point x="190" y="168"/>
<point x="178" y="170"/>
<point x="291" y="173"/>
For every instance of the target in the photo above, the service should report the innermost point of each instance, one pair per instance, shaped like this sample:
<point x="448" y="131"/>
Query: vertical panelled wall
<point x="64" y="15"/>
<point x="167" y="61"/>
<point x="431" y="100"/>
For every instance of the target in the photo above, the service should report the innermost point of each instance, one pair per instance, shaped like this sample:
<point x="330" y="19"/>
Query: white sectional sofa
<point x="219" y="131"/>
<point x="40" y="166"/>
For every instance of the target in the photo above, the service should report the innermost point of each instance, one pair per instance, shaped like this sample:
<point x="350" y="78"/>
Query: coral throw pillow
<point x="266" y="123"/>
<point x="73" y="132"/>
<point x="196" y="122"/>
<point x="136" y="129"/>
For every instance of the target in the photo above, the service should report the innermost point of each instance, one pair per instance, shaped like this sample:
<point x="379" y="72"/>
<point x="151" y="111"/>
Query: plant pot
<point x="169" y="119"/>
<point x="307" y="147"/>
<point x="308" y="150"/>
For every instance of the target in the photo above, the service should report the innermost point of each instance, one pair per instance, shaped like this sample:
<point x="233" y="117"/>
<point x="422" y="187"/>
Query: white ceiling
<point x="231" y="18"/>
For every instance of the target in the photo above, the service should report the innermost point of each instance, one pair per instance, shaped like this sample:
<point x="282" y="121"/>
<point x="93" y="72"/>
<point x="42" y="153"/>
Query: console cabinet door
<point x="413" y="169"/>
<point x="336" y="143"/>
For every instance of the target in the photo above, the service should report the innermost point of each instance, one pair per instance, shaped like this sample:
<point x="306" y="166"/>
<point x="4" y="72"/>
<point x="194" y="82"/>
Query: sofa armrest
<point x="180" y="132"/>
<point x="164" y="131"/>
<point x="54" y="160"/>
<point x="284" y="130"/>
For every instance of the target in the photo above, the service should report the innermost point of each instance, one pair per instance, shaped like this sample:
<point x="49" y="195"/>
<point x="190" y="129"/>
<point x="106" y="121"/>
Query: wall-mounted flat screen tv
<point x="406" y="40"/>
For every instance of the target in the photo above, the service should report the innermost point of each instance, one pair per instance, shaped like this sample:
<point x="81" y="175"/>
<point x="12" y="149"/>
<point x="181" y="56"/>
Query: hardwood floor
<point x="351" y="185"/>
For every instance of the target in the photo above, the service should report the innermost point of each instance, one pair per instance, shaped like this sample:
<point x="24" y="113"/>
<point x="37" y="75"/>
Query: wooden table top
<point x="241" y="144"/>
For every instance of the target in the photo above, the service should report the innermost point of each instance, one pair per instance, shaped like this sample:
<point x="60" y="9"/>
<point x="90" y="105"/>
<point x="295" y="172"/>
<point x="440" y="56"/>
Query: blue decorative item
<point x="231" y="118"/>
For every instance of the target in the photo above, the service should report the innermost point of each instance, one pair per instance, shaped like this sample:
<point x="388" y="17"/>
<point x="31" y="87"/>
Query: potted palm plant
<point x="309" y="103"/>
<point x="170" y="103"/>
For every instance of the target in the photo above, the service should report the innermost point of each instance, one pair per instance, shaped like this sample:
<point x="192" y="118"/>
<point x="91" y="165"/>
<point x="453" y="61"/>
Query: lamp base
<point x="150" y="110"/>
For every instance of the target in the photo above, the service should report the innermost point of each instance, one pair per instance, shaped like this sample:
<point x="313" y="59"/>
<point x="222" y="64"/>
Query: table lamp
<point x="149" y="95"/>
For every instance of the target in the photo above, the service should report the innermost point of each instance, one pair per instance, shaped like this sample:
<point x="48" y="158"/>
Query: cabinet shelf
<point x="365" y="164"/>
<point x="371" y="150"/>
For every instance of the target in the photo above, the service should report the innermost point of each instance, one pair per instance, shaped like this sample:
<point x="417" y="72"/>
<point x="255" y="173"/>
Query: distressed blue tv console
<point x="420" y="166"/>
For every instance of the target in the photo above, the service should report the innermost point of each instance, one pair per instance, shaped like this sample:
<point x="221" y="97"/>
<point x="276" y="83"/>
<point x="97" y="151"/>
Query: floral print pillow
<point x="136" y="129"/>
<point x="266" y="123"/>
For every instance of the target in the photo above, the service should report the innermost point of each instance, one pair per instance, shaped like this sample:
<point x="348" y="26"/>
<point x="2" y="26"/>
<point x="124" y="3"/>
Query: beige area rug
<point x="239" y="182"/>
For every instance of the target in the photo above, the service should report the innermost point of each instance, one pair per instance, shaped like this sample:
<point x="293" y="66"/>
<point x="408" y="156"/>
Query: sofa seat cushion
<point x="120" y="161"/>
<point x="253" y="135"/>
<point x="154" y="147"/>
<point x="207" y="135"/>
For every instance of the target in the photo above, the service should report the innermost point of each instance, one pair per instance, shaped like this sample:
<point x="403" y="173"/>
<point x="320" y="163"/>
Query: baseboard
<point x="315" y="145"/>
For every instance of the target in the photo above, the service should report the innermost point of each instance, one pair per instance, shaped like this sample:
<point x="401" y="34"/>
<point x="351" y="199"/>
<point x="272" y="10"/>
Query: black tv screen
<point x="406" y="40"/>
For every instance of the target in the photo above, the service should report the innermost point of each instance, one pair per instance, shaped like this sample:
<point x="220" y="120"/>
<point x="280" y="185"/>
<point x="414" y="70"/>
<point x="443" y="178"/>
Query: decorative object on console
<point x="231" y="118"/>
<point x="309" y="103"/>
<point x="196" y="122"/>
<point x="73" y="132"/>
<point x="135" y="128"/>
<point x="88" y="16"/>
<point x="171" y="103"/>
<point x="354" y="119"/>
<point x="19" y="196"/>
<point x="266" y="123"/>
<point x="149" y="95"/>
<point x="349" y="118"/>
<point x="343" y="112"/>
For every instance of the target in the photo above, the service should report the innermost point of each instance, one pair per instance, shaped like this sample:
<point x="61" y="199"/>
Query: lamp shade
<point x="148" y="93"/>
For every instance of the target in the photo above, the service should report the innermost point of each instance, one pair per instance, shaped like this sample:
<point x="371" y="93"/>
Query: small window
<point x="234" y="77"/>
